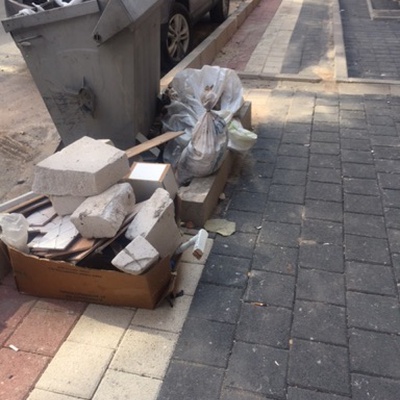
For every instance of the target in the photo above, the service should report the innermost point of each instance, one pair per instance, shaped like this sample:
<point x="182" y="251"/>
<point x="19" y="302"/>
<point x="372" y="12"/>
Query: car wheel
<point x="178" y="41"/>
<point x="220" y="12"/>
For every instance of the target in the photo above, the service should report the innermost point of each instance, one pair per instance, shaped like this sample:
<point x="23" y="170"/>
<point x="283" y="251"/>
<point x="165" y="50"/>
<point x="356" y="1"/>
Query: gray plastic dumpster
<point x="96" y="66"/>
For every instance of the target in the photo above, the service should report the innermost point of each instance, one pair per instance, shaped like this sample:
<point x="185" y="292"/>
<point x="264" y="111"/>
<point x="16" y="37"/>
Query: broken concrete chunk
<point x="156" y="223"/>
<point x="101" y="216"/>
<point x="87" y="167"/>
<point x="66" y="205"/>
<point x="137" y="257"/>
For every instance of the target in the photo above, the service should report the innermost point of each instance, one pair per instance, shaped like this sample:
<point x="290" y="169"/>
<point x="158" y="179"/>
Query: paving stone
<point x="325" y="137"/>
<point x="42" y="331"/>
<point x="248" y="201"/>
<point x="321" y="256"/>
<point x="365" y="249"/>
<point x="389" y="181"/>
<point x="275" y="258"/>
<point x="289" y="177"/>
<point x="235" y="394"/>
<point x="164" y="317"/>
<point x="101" y="326"/>
<point x="283" y="212"/>
<point x="279" y="234"/>
<point x="324" y="148"/>
<point x="355" y="144"/>
<point x="319" y="366"/>
<point x="396" y="267"/>
<point x="292" y="149"/>
<point x="320" y="285"/>
<point x="370" y="387"/>
<point x="251" y="168"/>
<point x="320" y="322"/>
<point x="270" y="288"/>
<point x="238" y="245"/>
<point x="188" y="277"/>
<point x="363" y="204"/>
<point x="370" y="278"/>
<point x="287" y="194"/>
<point x="324" y="232"/>
<point x="325" y="210"/>
<point x="353" y="133"/>
<point x="269" y="325"/>
<point x="255" y="183"/>
<point x="38" y="394"/>
<point x="295" y="393"/>
<point x="19" y="371"/>
<point x="361" y="186"/>
<point x="187" y="381"/>
<point x="373" y="312"/>
<point x="245" y="221"/>
<point x="217" y="303"/>
<point x="324" y="161"/>
<point x="291" y="162"/>
<point x="383" y="355"/>
<point x="360" y="157"/>
<point x="387" y="153"/>
<point x="296" y="137"/>
<point x="324" y="191"/>
<point x="364" y="225"/>
<point x="388" y="166"/>
<point x="226" y="271"/>
<point x="351" y="170"/>
<point x="392" y="217"/>
<point x="13" y="308"/>
<point x="205" y="342"/>
<point x="90" y="363"/>
<point x="144" y="352"/>
<point x="390" y="197"/>
<point x="325" y="175"/>
<point x="394" y="240"/>
<point x="267" y="375"/>
<point x="127" y="386"/>
<point x="325" y="126"/>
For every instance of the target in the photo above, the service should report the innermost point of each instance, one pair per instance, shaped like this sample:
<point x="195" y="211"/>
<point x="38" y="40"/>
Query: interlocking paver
<point x="383" y="355"/>
<point x="323" y="232"/>
<point x="364" y="387"/>
<point x="370" y="278"/>
<point x="191" y="381"/>
<point x="326" y="175"/>
<point x="269" y="325"/>
<point x="279" y="234"/>
<point x="320" y="285"/>
<point x="267" y="375"/>
<point x="270" y="288"/>
<point x="325" y="210"/>
<point x="283" y="212"/>
<point x="363" y="204"/>
<point x="295" y="393"/>
<point x="373" y="312"/>
<point x="364" y="225"/>
<point x="205" y="342"/>
<point x="365" y="249"/>
<point x="320" y="322"/>
<point x="275" y="258"/>
<point x="239" y="244"/>
<point x="287" y="193"/>
<point x="321" y="256"/>
<point x="319" y="366"/>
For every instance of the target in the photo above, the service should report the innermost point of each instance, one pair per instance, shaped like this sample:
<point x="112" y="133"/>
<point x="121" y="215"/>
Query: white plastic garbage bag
<point x="239" y="138"/>
<point x="206" y="150"/>
<point x="186" y="107"/>
<point x="14" y="231"/>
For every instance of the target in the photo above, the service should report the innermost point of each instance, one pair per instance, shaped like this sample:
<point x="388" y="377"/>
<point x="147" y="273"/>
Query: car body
<point x="177" y="20"/>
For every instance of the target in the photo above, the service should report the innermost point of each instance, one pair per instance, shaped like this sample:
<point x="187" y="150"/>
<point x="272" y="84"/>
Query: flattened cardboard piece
<point x="61" y="280"/>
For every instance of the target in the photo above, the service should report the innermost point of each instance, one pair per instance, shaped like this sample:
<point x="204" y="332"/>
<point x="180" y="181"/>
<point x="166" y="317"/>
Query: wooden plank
<point x="157" y="141"/>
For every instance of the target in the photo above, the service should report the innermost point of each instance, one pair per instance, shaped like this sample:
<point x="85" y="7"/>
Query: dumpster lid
<point x="50" y="16"/>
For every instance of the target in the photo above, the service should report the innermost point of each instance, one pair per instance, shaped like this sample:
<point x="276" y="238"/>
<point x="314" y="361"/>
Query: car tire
<point x="220" y="12"/>
<point x="178" y="41"/>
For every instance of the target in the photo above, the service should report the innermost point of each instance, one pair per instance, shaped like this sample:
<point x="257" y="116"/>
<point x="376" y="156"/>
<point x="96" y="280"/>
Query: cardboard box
<point x="5" y="265"/>
<point x="145" y="178"/>
<point x="61" y="280"/>
<point x="197" y="201"/>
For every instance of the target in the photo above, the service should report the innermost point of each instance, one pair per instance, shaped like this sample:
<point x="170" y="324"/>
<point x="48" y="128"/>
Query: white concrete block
<point x="156" y="223"/>
<point x="101" y="216"/>
<point x="85" y="168"/>
<point x="137" y="257"/>
<point x="66" y="205"/>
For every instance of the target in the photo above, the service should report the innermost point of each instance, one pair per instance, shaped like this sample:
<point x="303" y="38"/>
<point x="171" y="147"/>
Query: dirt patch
<point x="27" y="133"/>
